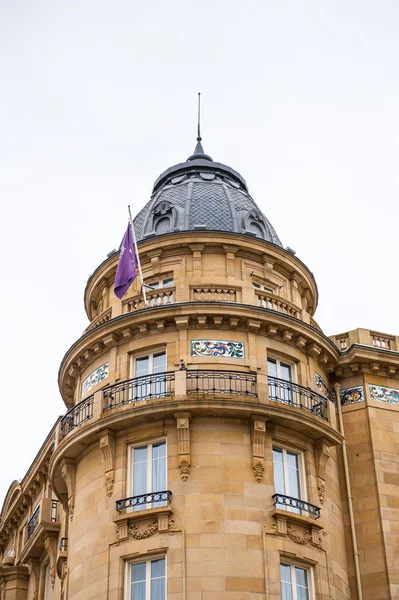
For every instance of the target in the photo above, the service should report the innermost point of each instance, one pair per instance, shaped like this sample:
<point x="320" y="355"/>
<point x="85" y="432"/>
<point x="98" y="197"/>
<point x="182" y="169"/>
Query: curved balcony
<point x="83" y="411"/>
<point x="224" y="383"/>
<point x="292" y="394"/>
<point x="145" y="387"/>
<point x="296" y="505"/>
<point x="154" y="499"/>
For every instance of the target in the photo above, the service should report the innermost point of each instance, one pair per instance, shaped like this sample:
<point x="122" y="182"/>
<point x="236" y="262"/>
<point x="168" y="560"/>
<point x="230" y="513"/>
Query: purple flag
<point x="126" y="272"/>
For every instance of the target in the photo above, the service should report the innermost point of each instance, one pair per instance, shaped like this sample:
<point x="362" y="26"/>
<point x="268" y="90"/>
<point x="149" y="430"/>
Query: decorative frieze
<point x="321" y="385"/>
<point x="384" y="394"/>
<point x="352" y="395"/>
<point x="94" y="378"/>
<point x="219" y="348"/>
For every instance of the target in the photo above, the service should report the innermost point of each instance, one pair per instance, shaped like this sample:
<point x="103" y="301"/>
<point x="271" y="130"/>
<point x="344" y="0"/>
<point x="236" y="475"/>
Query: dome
<point x="202" y="195"/>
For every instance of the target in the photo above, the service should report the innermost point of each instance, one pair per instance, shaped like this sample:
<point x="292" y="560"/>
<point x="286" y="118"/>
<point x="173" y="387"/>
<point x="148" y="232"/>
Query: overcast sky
<point x="98" y="98"/>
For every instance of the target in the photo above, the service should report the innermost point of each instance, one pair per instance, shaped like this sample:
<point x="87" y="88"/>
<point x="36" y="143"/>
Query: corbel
<point x="127" y="334"/>
<point x="197" y="249"/>
<point x="268" y="264"/>
<point x="258" y="446"/>
<point x="183" y="443"/>
<point x="287" y="335"/>
<point x="355" y="367"/>
<point x="339" y="371"/>
<point x="233" y="322"/>
<point x="375" y="367"/>
<point x="50" y="545"/>
<point x="253" y="325"/>
<point x="391" y="371"/>
<point x="230" y="258"/>
<point x="110" y="340"/>
<point x="182" y="322"/>
<point x="98" y="347"/>
<point x="74" y="371"/>
<point x="300" y="341"/>
<point x="34" y="571"/>
<point x="323" y="358"/>
<point x="107" y="445"/>
<point x="314" y="350"/>
<point x="155" y="257"/>
<point x="68" y="472"/>
<point x="88" y="354"/>
<point x="272" y="330"/>
<point x="201" y="321"/>
<point x="161" y="325"/>
<point x="217" y="320"/>
<point x="322" y="456"/>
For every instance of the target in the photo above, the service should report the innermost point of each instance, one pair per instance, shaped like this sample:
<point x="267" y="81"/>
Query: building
<point x="216" y="445"/>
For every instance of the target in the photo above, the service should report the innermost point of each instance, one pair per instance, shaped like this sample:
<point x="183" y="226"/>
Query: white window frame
<point x="301" y="468"/>
<point x="310" y="573"/>
<point x="143" y="354"/>
<point x="130" y="466"/>
<point x="283" y="361"/>
<point x="147" y="560"/>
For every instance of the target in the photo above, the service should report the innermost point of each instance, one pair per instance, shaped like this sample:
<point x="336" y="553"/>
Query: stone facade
<point x="234" y="307"/>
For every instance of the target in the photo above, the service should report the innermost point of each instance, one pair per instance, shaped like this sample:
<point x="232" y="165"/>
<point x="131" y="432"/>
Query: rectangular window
<point x="148" y="580"/>
<point x="163" y="298"/>
<point x="148" y="371"/>
<point x="294" y="582"/>
<point x="288" y="476"/>
<point x="149" y="473"/>
<point x="279" y="374"/>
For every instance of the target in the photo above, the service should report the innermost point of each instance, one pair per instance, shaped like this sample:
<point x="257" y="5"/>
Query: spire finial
<point x="199" y="138"/>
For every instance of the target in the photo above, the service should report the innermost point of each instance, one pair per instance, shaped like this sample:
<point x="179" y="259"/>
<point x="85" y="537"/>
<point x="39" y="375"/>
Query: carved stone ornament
<point x="183" y="444"/>
<point x="142" y="534"/>
<point x="258" y="448"/>
<point x="33" y="570"/>
<point x="68" y="472"/>
<point x="297" y="537"/>
<point x="184" y="469"/>
<point x="321" y="490"/>
<point x="107" y="445"/>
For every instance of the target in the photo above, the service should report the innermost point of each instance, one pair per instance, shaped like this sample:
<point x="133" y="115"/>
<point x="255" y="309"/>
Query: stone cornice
<point x="268" y="322"/>
<point x="359" y="358"/>
<point x="287" y="262"/>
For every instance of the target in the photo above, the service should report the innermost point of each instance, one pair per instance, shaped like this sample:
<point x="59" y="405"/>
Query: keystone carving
<point x="258" y="447"/>
<point x="68" y="472"/>
<point x="183" y="444"/>
<point x="107" y="445"/>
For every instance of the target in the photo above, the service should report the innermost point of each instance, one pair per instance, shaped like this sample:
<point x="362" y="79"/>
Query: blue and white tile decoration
<point x="221" y="348"/>
<point x="98" y="375"/>
<point x="352" y="395"/>
<point x="384" y="394"/>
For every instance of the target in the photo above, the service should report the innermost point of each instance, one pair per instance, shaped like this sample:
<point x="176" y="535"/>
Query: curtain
<point x="159" y="470"/>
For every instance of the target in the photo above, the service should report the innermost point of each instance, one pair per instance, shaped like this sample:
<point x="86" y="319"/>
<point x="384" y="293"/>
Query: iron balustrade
<point x="287" y="392"/>
<point x="154" y="498"/>
<point x="54" y="511"/>
<point x="145" y="387"/>
<point x="33" y="522"/>
<point x="221" y="382"/>
<point x="64" y="544"/>
<point x="296" y="504"/>
<point x="77" y="415"/>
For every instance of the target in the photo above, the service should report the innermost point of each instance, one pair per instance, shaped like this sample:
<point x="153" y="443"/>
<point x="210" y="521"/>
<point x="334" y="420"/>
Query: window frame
<point x="289" y="363"/>
<point x="293" y="564"/>
<point x="142" y="354"/>
<point x="301" y="468"/>
<point x="130" y="469"/>
<point x="147" y="560"/>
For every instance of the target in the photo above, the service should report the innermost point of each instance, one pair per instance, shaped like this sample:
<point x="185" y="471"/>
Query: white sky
<point x="98" y="97"/>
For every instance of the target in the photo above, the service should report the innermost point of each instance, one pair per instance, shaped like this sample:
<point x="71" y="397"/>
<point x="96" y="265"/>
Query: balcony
<point x="77" y="415"/>
<point x="143" y="516"/>
<point x="296" y="505"/>
<point x="292" y="394"/>
<point x="43" y="523"/>
<point x="157" y="297"/>
<point x="224" y="383"/>
<point x="154" y="499"/>
<point x="146" y="387"/>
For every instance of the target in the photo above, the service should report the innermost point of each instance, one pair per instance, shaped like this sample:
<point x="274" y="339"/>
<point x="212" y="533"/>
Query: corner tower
<point x="197" y="457"/>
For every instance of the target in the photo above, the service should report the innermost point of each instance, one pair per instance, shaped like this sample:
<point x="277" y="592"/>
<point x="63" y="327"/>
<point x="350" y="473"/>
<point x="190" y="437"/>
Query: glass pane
<point x="285" y="372"/>
<point x="158" y="579"/>
<point x="272" y="368"/>
<point x="142" y="388"/>
<point x="301" y="580"/>
<point x="160" y="362"/>
<point x="279" y="485"/>
<point x="138" y="582"/>
<point x="142" y="365"/>
<point x="293" y="475"/>
<point x="286" y="586"/>
<point x="140" y="475"/>
<point x="167" y="282"/>
<point x="159" y="470"/>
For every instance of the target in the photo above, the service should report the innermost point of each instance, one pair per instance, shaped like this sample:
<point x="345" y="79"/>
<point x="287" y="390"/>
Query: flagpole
<point x="138" y="257"/>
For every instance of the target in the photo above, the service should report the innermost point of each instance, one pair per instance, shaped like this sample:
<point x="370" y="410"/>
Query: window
<point x="149" y="472"/>
<point x="279" y="373"/>
<point x="144" y="367"/>
<point x="294" y="582"/>
<point x="288" y="476"/>
<point x="147" y="580"/>
<point x="158" y="299"/>
<point x="263" y="301"/>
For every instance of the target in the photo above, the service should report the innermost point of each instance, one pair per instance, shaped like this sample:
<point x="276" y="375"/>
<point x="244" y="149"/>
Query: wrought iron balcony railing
<point x="77" y="415"/>
<point x="140" y="388"/>
<point x="33" y="522"/>
<point x="154" y="498"/>
<point x="296" y="505"/>
<point x="221" y="382"/>
<point x="287" y="392"/>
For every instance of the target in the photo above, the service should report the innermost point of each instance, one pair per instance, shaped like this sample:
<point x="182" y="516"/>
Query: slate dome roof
<point x="202" y="195"/>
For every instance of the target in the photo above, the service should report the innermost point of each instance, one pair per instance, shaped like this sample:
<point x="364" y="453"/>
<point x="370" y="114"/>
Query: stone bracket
<point x="258" y="431"/>
<point x="107" y="445"/>
<point x="322" y="456"/>
<point x="68" y="472"/>
<point x="34" y="573"/>
<point x="183" y="443"/>
<point x="50" y="544"/>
